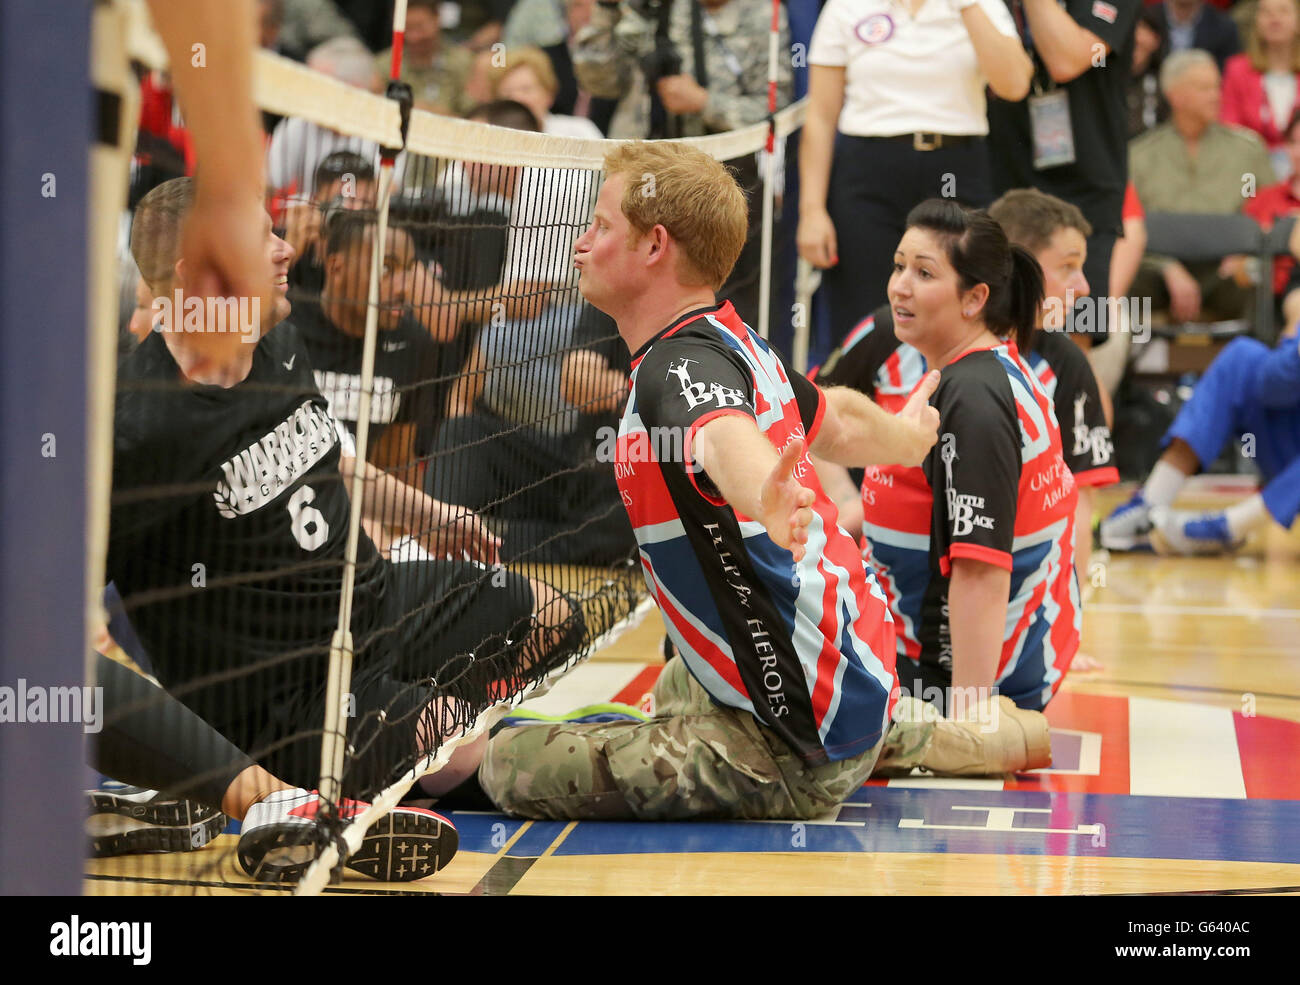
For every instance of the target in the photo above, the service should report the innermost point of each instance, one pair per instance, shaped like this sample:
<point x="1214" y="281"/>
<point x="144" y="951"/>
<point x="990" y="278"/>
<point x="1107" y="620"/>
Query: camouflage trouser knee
<point x="694" y="759"/>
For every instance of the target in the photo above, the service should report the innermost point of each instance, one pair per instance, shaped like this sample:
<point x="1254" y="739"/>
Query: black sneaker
<point x="280" y="838"/>
<point x="123" y="820"/>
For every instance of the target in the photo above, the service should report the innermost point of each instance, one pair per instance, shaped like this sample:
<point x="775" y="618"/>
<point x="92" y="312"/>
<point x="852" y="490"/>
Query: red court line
<point x="1104" y="714"/>
<point x="639" y="686"/>
<point x="1268" y="748"/>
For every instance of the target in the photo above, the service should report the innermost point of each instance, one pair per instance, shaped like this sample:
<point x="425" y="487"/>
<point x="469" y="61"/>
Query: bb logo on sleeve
<point x="701" y="393"/>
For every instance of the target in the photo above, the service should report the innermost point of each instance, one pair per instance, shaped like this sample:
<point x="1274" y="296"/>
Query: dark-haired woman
<point x="974" y="548"/>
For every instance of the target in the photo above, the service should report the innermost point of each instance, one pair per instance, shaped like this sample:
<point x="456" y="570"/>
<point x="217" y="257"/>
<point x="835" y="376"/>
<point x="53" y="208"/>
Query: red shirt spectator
<point x="1278" y="200"/>
<point x="1261" y="86"/>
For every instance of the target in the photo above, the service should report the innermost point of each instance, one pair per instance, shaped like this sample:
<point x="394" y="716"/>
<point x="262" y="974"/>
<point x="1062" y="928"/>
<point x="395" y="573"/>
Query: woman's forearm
<point x="977" y="615"/>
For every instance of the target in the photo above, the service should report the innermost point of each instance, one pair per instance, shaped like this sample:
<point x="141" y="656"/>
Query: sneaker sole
<point x="117" y="825"/>
<point x="111" y="834"/>
<point x="399" y="847"/>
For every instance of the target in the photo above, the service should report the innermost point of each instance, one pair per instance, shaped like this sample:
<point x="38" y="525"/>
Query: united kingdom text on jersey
<point x="995" y="488"/>
<point x="807" y="648"/>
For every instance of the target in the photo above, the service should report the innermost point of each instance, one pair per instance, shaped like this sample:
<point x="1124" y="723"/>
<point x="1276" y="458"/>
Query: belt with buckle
<point x="932" y="141"/>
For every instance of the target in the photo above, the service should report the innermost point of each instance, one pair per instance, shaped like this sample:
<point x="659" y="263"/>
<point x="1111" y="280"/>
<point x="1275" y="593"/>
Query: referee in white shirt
<point x="902" y="81"/>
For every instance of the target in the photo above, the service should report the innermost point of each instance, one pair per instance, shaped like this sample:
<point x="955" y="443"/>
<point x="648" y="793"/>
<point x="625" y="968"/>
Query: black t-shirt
<point x="1098" y="115"/>
<point x="410" y="383"/>
<point x="1068" y="379"/>
<point x="228" y="526"/>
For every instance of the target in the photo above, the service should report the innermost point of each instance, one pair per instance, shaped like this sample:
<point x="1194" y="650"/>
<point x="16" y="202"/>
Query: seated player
<point x="1251" y="393"/>
<point x="873" y="360"/>
<point x="344" y="180"/>
<point x="411" y="366"/>
<point x="779" y="703"/>
<point x="151" y="739"/>
<point x="523" y="454"/>
<point x="974" y="550"/>
<point x="228" y="530"/>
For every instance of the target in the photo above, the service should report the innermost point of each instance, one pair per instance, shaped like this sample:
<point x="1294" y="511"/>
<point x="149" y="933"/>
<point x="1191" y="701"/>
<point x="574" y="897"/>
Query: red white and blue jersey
<point x="995" y="488"/>
<point x="807" y="648"/>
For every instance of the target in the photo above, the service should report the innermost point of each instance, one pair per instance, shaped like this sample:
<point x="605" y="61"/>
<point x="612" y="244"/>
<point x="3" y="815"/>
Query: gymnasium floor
<point x="1175" y="772"/>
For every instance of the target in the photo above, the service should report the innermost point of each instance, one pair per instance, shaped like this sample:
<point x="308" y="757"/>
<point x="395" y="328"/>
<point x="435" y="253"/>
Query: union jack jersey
<point x="807" y="648"/>
<point x="1005" y="496"/>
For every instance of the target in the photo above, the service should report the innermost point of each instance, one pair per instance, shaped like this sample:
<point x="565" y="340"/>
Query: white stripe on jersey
<point x="896" y="538"/>
<point x="658" y="533"/>
<point x="807" y="638"/>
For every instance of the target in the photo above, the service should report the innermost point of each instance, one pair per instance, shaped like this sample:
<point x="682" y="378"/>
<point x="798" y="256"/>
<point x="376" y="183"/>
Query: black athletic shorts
<point x="439" y="619"/>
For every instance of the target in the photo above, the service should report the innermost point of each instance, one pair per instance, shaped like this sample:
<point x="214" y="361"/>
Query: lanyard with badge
<point x="1049" y="111"/>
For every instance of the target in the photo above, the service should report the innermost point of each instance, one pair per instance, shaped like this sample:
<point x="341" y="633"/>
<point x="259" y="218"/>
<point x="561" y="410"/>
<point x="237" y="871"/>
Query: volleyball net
<point x="459" y="393"/>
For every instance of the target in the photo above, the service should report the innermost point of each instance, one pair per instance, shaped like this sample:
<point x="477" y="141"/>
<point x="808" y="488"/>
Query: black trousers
<point x="151" y="740"/>
<point x="874" y="183"/>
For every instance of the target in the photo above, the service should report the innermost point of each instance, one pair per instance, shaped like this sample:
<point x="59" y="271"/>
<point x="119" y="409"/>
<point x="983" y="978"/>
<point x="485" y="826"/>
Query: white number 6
<point x="309" y="527"/>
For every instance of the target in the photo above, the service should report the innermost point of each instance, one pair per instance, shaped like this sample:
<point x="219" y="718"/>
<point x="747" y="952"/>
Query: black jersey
<point x="409" y="386"/>
<point x="1068" y="380"/>
<point x="228" y="527"/>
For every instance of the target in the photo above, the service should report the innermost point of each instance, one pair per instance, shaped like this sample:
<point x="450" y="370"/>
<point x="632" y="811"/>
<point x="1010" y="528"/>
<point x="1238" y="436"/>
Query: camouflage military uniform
<point x="608" y="53"/>
<point x="439" y="87"/>
<point x="693" y="759"/>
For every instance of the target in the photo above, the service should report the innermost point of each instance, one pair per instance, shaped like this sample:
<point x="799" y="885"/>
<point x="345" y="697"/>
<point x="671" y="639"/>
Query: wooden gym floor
<point x="1175" y="773"/>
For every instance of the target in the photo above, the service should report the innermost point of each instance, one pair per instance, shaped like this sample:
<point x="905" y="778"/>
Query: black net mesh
<point x="494" y="547"/>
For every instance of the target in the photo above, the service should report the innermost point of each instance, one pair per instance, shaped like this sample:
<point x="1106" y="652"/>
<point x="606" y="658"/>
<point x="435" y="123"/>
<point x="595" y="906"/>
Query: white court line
<point x="1183" y="750"/>
<point x="947" y="783"/>
<point x="1193" y="610"/>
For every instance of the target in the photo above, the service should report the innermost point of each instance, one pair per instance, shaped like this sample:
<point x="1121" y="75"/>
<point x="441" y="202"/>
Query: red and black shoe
<point x="280" y="837"/>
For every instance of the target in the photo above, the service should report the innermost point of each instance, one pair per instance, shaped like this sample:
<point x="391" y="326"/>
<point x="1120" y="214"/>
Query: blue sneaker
<point x="1181" y="533"/>
<point x="1128" y="528"/>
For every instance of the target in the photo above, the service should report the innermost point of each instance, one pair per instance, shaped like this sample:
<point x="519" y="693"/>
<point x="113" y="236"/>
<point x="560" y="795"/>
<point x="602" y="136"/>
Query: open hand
<point x="922" y="418"/>
<point x="786" y="504"/>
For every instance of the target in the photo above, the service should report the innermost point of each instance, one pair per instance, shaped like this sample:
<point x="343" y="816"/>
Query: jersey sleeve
<point x="1110" y="20"/>
<point x="859" y="357"/>
<point x="811" y="401"/>
<point x="691" y="383"/>
<point x="974" y="469"/>
<point x="1085" y="436"/>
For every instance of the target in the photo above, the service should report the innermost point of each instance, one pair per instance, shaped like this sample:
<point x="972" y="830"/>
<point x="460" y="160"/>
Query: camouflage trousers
<point x="693" y="759"/>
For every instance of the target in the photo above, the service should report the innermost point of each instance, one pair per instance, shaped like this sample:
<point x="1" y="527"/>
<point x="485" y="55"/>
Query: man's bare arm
<point x="857" y="432"/>
<point x="222" y="241"/>
<point x="755" y="480"/>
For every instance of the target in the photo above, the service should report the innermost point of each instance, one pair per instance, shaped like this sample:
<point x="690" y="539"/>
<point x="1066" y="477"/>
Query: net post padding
<point x="317" y="876"/>
<point x="110" y="167"/>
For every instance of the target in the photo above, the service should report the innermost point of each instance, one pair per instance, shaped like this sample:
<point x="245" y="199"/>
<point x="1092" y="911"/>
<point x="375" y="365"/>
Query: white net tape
<point x="287" y="88"/>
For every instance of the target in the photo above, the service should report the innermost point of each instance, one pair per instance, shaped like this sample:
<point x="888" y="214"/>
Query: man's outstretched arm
<point x="760" y="483"/>
<point x="857" y="432"/>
